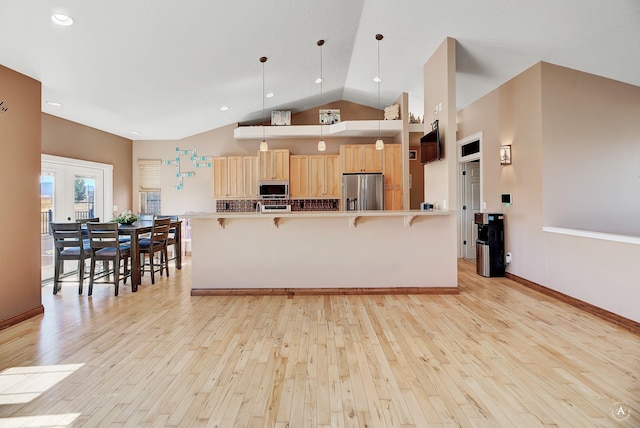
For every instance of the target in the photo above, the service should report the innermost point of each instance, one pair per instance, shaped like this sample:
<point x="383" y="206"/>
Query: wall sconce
<point x="505" y="155"/>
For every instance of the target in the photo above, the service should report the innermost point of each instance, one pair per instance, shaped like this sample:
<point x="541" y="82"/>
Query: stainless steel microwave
<point x="273" y="189"/>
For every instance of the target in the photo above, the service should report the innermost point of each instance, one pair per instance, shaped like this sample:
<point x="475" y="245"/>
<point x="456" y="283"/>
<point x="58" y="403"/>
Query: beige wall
<point x="511" y="114"/>
<point x="440" y="88"/>
<point x="531" y="113"/>
<point x="64" y="138"/>
<point x="20" y="177"/>
<point x="591" y="149"/>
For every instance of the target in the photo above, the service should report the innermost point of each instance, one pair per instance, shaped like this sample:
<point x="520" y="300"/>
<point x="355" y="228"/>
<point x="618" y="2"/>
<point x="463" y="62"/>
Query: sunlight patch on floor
<point x="24" y="384"/>
<point x="41" y="421"/>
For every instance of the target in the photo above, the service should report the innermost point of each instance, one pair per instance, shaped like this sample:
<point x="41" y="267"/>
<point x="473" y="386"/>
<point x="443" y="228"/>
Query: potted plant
<point x="127" y="217"/>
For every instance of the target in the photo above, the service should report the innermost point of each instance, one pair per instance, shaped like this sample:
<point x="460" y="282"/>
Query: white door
<point x="70" y="190"/>
<point x="471" y="206"/>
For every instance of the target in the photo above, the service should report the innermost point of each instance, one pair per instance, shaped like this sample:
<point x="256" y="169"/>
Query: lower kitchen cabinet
<point x="393" y="177"/>
<point x="393" y="198"/>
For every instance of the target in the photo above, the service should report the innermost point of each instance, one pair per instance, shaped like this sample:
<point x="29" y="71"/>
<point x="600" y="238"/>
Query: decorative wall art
<point x="329" y="116"/>
<point x="281" y="118"/>
<point x="3" y="107"/>
<point x="198" y="162"/>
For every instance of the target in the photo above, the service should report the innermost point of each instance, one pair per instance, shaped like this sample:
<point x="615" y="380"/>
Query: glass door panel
<point x="47" y="185"/>
<point x="68" y="193"/>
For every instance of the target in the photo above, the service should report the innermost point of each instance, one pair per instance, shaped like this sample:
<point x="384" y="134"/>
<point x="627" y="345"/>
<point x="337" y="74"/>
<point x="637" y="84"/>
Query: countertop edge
<point x="318" y="214"/>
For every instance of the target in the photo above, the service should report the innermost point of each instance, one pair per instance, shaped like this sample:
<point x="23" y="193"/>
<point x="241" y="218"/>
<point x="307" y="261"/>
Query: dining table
<point x="134" y="231"/>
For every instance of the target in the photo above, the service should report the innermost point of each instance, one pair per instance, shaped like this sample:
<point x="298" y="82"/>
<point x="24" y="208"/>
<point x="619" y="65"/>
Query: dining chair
<point x="69" y="245"/>
<point x="155" y="243"/>
<point x="171" y="239"/>
<point x="106" y="247"/>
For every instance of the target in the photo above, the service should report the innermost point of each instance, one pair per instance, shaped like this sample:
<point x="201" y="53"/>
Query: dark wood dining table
<point x="139" y="228"/>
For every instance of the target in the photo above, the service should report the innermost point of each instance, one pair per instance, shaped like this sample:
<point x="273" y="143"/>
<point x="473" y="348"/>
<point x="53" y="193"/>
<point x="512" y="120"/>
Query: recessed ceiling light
<point x="224" y="108"/>
<point x="319" y="80"/>
<point x="54" y="103"/>
<point x="62" y="19"/>
<point x="269" y="94"/>
<point x="135" y="133"/>
<point x="377" y="79"/>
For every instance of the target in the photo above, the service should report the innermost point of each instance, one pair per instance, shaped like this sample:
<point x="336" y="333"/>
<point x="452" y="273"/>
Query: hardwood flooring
<point x="495" y="355"/>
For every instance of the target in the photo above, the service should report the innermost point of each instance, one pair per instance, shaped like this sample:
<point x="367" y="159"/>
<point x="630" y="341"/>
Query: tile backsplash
<point x="250" y="205"/>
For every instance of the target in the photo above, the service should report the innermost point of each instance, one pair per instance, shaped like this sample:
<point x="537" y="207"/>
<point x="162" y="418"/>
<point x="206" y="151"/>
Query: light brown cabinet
<point x="234" y="177"/>
<point x="250" y="176"/>
<point x="361" y="158"/>
<point x="324" y="176"/>
<point x="299" y="176"/>
<point x="393" y="198"/>
<point x="227" y="177"/>
<point x="393" y="177"/>
<point x="273" y="165"/>
<point x="314" y="176"/>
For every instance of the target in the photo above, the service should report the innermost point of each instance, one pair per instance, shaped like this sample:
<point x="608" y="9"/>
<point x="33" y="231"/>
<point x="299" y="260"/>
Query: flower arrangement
<point x="127" y="217"/>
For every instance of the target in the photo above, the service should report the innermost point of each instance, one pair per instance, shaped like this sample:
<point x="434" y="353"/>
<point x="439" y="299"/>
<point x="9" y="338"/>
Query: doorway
<point x="470" y="193"/>
<point x="70" y="190"/>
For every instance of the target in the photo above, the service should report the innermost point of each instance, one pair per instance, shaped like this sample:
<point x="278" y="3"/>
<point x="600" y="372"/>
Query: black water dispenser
<point x="490" y="244"/>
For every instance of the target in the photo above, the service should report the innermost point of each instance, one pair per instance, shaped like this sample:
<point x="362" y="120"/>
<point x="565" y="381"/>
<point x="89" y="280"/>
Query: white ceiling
<point x="164" y="68"/>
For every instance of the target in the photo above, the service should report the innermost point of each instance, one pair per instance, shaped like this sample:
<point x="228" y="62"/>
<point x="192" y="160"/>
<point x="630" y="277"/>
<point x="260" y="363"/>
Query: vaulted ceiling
<point x="165" y="68"/>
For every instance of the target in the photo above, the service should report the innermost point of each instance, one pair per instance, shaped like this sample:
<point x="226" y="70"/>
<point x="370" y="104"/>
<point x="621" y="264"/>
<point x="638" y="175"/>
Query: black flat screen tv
<point x="430" y="147"/>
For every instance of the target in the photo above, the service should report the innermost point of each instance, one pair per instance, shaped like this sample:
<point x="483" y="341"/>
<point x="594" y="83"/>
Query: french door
<point x="71" y="190"/>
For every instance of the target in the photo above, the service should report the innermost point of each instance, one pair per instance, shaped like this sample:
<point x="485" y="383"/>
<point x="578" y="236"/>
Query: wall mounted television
<point x="430" y="145"/>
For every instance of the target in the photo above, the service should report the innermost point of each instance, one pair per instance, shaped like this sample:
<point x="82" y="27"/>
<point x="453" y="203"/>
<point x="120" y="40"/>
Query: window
<point x="149" y="187"/>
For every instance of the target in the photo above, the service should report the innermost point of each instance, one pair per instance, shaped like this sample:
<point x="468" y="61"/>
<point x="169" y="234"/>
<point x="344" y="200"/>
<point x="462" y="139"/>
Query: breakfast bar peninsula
<point x="344" y="252"/>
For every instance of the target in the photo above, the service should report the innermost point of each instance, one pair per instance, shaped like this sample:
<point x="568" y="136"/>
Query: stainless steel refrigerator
<point x="362" y="192"/>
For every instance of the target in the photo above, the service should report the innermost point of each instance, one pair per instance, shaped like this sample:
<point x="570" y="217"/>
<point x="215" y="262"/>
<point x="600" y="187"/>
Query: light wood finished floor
<point x="496" y="355"/>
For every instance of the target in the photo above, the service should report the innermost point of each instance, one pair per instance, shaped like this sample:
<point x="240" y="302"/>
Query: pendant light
<point x="377" y="79"/>
<point x="322" y="146"/>
<point x="263" y="144"/>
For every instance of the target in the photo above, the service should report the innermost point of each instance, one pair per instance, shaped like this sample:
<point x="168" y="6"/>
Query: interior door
<point x="473" y="205"/>
<point x="67" y="193"/>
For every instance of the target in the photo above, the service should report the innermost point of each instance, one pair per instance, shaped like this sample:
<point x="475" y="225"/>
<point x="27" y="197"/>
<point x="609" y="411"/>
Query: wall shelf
<point x="348" y="128"/>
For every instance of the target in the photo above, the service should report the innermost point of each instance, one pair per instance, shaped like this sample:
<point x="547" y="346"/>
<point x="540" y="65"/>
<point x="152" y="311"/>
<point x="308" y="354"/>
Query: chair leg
<point x="56" y="276"/>
<point x="151" y="267"/>
<point x="81" y="273"/>
<point x="92" y="272"/>
<point x="166" y="261"/>
<point x="126" y="270"/>
<point x="116" y="275"/>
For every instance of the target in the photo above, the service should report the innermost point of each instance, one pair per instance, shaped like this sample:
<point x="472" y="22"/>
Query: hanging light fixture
<point x="322" y="146"/>
<point x="263" y="144"/>
<point x="377" y="79"/>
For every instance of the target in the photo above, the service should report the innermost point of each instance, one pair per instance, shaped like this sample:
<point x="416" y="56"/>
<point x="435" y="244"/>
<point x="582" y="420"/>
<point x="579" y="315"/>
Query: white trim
<point x="461" y="161"/>
<point x="107" y="171"/>
<point x="593" y="235"/>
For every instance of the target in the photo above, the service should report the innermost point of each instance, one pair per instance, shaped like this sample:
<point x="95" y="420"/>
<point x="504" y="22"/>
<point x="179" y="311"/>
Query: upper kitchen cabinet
<point x="361" y="158"/>
<point x="324" y="176"/>
<point x="299" y="176"/>
<point x="273" y="164"/>
<point x="250" y="176"/>
<point x="228" y="177"/>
